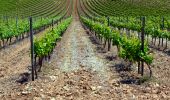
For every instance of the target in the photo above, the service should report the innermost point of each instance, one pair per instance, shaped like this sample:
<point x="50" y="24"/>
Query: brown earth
<point x="78" y="70"/>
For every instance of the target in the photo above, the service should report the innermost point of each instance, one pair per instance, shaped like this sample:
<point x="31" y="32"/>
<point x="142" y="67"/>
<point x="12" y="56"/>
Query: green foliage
<point x="130" y="47"/>
<point x="128" y="7"/>
<point x="10" y="29"/>
<point x="25" y="8"/>
<point x="46" y="44"/>
<point x="131" y="50"/>
<point x="153" y="25"/>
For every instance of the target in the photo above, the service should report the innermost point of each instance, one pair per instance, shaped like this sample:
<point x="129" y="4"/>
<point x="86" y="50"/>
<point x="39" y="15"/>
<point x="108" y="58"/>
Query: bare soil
<point x="14" y="60"/>
<point x="80" y="69"/>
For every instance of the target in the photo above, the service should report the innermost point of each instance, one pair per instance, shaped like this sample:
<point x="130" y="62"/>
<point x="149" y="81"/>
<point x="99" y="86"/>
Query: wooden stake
<point x="32" y="48"/>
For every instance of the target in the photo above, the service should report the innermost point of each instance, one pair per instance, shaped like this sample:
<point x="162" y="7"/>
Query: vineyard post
<point x="3" y="18"/>
<point x="163" y="20"/>
<point x="16" y="21"/>
<point x="52" y="24"/>
<point x="127" y="19"/>
<point x="142" y="40"/>
<point x="139" y="62"/>
<point x="109" y="40"/>
<point x="108" y="21"/>
<point x="7" y="20"/>
<point x="17" y="25"/>
<point x="32" y="48"/>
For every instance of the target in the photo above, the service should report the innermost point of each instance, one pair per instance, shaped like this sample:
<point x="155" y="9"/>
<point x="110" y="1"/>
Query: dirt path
<point x="76" y="51"/>
<point x="79" y="71"/>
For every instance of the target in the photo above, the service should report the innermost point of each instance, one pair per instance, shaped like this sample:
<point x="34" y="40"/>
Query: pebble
<point x="155" y="96"/>
<point x="147" y="90"/>
<point x="66" y="88"/>
<point x="53" y="78"/>
<point x="52" y="99"/>
<point x="163" y="95"/>
<point x="41" y="90"/>
<point x="37" y="98"/>
<point x="25" y="92"/>
<point x="42" y="96"/>
<point x="93" y="88"/>
<point x="157" y="85"/>
<point x="99" y="87"/>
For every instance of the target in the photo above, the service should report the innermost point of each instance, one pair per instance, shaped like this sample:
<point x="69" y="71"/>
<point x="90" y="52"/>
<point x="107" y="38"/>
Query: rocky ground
<point x="79" y="69"/>
<point x="14" y="60"/>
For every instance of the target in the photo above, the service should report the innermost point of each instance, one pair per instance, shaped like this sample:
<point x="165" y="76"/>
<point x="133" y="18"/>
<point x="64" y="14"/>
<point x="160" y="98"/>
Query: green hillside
<point x="31" y="7"/>
<point x="129" y="7"/>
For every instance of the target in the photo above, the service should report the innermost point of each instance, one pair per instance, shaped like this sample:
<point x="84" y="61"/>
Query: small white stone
<point x="93" y="88"/>
<point x="41" y="90"/>
<point x="25" y="92"/>
<point x="66" y="88"/>
<point x="52" y="99"/>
